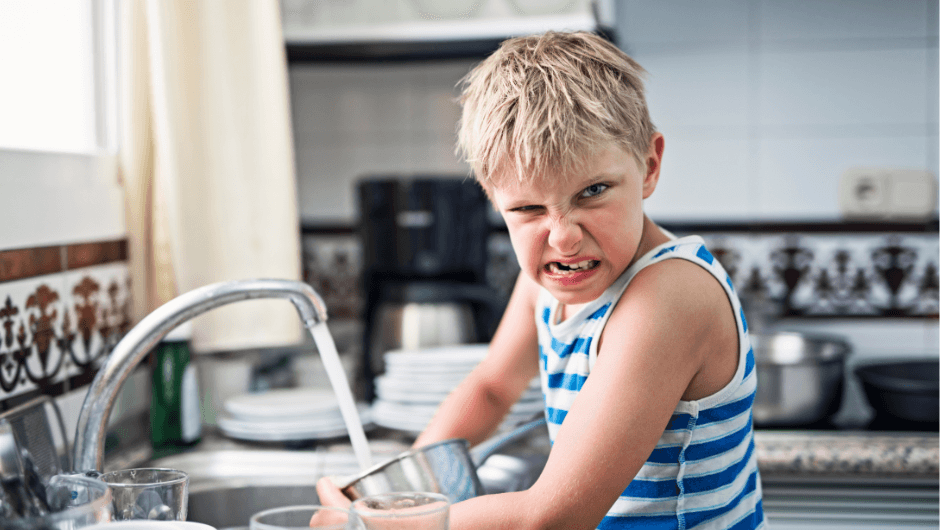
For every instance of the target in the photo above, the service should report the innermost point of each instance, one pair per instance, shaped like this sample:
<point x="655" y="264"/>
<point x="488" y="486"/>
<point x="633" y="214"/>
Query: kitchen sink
<point x="228" y="486"/>
<point x="228" y="506"/>
<point x="230" y="482"/>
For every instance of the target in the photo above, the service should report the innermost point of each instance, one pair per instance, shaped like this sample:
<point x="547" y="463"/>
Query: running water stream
<point x="347" y="405"/>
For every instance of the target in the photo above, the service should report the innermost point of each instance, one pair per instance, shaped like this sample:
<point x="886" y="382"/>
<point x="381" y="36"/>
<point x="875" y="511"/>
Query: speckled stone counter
<point x="856" y="454"/>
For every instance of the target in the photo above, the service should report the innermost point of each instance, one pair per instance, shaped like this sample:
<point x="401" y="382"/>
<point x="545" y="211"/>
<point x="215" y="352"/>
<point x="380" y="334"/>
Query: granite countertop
<point x="785" y="454"/>
<point x="856" y="454"/>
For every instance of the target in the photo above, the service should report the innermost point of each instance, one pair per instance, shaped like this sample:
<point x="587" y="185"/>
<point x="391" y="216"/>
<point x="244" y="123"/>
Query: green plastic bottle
<point x="175" y="419"/>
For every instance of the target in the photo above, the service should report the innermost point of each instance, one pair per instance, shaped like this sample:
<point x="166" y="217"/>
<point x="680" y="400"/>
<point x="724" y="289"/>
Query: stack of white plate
<point x="416" y="381"/>
<point x="286" y="415"/>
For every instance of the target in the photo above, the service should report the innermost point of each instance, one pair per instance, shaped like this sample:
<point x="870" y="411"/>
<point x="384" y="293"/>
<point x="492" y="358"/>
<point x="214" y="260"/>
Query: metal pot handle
<point x="485" y="449"/>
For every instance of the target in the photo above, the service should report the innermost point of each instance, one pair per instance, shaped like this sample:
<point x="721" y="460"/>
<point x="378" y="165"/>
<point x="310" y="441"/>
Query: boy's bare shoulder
<point x="677" y="304"/>
<point x="677" y="291"/>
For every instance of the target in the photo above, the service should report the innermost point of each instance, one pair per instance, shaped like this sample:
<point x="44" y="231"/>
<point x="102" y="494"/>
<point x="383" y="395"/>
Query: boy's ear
<point x="654" y="162"/>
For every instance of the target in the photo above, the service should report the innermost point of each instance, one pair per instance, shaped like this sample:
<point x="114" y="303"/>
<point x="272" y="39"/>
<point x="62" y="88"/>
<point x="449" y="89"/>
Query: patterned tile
<point x="837" y="275"/>
<point x="332" y="265"/>
<point x="30" y="323"/>
<point x="55" y="329"/>
<point x="826" y="275"/>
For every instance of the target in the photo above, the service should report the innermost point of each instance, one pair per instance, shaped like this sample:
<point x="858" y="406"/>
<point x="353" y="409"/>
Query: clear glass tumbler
<point x="408" y="510"/>
<point x="305" y="517"/>
<point x="149" y="493"/>
<point x="74" y="501"/>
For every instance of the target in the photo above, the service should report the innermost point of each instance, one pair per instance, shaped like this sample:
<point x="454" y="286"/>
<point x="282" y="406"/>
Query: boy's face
<point x="576" y="236"/>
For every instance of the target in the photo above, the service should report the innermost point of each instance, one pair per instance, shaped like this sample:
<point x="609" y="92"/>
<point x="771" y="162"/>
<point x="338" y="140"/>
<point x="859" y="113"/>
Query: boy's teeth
<point x="560" y="267"/>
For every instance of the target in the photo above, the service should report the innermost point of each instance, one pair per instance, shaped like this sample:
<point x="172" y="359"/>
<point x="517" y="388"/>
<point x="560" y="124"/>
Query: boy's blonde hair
<point x="540" y="105"/>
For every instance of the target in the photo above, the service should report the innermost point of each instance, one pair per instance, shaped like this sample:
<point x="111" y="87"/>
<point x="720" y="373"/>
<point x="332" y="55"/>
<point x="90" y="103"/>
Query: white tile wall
<point x="56" y="198"/>
<point x="844" y="88"/>
<point x="788" y="20"/>
<point x="763" y="103"/>
<point x="715" y="103"/>
<point x="878" y="340"/>
<point x="353" y="121"/>
<point x="669" y="24"/>
<point x="798" y="177"/>
<point x="699" y="174"/>
<point x="820" y="87"/>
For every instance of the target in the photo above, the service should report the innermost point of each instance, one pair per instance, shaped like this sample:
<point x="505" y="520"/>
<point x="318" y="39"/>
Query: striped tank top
<point x="703" y="471"/>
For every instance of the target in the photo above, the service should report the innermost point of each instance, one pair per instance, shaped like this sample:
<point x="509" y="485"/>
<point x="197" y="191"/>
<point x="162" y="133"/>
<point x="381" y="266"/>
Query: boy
<point x="638" y="337"/>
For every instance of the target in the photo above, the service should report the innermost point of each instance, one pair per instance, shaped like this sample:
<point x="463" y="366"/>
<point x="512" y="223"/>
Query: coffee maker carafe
<point x="424" y="267"/>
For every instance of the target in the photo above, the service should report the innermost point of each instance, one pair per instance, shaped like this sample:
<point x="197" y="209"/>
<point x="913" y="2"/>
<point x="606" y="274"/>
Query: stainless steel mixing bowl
<point x="800" y="377"/>
<point x="448" y="467"/>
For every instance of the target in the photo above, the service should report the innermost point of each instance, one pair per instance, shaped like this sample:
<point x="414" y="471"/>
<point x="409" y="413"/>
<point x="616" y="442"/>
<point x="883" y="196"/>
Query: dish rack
<point x="37" y="428"/>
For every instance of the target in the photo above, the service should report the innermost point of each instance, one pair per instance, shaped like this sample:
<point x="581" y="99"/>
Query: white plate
<point x="291" y="430"/>
<point x="462" y="354"/>
<point x="399" y="383"/>
<point x="397" y="408"/>
<point x="281" y="403"/>
<point x="413" y="419"/>
<point x="438" y="381"/>
<point x="410" y="397"/>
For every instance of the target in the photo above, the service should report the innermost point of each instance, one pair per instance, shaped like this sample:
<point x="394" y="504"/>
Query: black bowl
<point x="904" y="390"/>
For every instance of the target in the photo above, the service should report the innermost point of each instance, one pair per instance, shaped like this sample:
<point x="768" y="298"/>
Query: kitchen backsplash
<point x="818" y="273"/>
<point x="62" y="308"/>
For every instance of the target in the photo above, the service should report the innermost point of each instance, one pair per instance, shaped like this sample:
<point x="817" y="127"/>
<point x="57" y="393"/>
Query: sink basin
<point x="230" y="506"/>
<point x="227" y="484"/>
<point x="227" y="487"/>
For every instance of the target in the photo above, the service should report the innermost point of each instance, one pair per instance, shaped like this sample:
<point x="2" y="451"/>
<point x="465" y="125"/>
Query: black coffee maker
<point x="424" y="267"/>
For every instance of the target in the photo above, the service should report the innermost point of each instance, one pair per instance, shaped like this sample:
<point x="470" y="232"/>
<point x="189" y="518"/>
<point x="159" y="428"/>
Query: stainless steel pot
<point x="800" y="377"/>
<point x="448" y="467"/>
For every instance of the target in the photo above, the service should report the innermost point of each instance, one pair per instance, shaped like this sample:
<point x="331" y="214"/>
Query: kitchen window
<point x="59" y="123"/>
<point x="59" y="66"/>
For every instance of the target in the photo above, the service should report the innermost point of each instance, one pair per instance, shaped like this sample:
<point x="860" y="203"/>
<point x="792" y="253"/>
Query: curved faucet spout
<point x="130" y="351"/>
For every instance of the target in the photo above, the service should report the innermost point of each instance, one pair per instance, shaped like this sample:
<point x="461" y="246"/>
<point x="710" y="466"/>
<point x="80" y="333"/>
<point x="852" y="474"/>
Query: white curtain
<point x="207" y="161"/>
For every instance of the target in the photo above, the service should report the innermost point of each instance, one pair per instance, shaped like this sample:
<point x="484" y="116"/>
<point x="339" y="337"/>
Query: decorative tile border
<point x="62" y="310"/>
<point x="18" y="264"/>
<point x="835" y="275"/>
<point x="811" y="271"/>
<point x="332" y="265"/>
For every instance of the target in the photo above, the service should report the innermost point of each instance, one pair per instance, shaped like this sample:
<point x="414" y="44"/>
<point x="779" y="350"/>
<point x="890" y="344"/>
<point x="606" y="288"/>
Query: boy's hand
<point x="330" y="495"/>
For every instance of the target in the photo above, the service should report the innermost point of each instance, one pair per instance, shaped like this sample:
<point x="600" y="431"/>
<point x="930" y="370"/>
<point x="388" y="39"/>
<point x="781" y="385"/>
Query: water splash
<point x="347" y="404"/>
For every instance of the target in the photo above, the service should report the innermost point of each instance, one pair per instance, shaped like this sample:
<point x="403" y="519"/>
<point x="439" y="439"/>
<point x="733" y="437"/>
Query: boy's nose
<point x="565" y="237"/>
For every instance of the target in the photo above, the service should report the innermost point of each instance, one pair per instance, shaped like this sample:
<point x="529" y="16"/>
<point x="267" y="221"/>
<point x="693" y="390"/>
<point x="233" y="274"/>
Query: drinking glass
<point x="407" y="510"/>
<point x="74" y="501"/>
<point x="148" y="493"/>
<point x="305" y="517"/>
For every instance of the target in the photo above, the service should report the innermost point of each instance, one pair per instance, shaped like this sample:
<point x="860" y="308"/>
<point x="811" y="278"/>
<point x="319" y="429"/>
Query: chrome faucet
<point x="131" y="350"/>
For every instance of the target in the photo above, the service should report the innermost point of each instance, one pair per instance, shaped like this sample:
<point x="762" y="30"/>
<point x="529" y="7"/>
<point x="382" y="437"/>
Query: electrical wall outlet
<point x="888" y="194"/>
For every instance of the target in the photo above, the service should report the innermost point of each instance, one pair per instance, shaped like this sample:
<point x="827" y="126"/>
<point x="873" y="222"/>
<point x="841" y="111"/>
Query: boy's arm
<point x="667" y="326"/>
<point x="474" y="409"/>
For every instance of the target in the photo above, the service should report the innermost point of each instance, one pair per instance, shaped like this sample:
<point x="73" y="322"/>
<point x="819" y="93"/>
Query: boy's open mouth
<point x="560" y="268"/>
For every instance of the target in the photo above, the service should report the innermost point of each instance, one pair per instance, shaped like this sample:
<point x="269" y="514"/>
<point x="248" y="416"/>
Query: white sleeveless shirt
<point x="703" y="471"/>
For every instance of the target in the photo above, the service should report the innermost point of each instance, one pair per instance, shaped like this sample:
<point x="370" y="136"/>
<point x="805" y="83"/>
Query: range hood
<point x="377" y="30"/>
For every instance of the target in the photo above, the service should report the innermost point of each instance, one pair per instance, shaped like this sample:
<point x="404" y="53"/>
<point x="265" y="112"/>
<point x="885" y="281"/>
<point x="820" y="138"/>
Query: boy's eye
<point x="594" y="189"/>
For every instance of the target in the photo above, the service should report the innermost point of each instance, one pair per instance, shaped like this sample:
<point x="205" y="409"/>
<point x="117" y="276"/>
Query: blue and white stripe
<point x="703" y="471"/>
